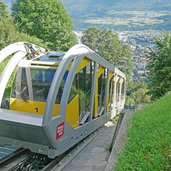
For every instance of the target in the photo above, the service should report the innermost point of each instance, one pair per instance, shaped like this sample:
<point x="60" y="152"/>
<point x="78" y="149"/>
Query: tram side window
<point x="100" y="87"/>
<point x="117" y="91"/>
<point x="74" y="90"/>
<point x="123" y="90"/>
<point x="88" y="82"/>
<point x="61" y="88"/>
<point x="85" y="81"/>
<point x="111" y="89"/>
<point x="101" y="91"/>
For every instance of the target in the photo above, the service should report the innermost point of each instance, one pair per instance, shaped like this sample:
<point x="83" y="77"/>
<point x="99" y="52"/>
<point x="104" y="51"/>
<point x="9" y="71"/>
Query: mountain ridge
<point x="118" y="4"/>
<point x="121" y="15"/>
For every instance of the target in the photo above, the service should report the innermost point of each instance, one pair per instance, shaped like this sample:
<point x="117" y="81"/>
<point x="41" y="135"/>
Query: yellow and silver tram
<point x="57" y="99"/>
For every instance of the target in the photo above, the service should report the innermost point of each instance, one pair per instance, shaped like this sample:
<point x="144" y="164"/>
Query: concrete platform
<point x="95" y="156"/>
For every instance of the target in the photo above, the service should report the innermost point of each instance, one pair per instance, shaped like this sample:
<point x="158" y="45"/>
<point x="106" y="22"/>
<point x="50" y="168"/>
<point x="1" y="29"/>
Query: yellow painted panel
<point x="83" y="63"/>
<point x="72" y="114"/>
<point x="29" y="106"/>
<point x="34" y="107"/>
<point x="100" y="71"/>
<point x="69" y="66"/>
<point x="110" y="75"/>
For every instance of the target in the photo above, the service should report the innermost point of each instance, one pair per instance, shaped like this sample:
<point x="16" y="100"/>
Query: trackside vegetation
<point x="148" y="144"/>
<point x="159" y="81"/>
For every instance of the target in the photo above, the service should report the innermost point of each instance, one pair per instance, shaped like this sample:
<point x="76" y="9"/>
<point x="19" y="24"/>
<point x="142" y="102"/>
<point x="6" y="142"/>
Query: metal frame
<point x="77" y="52"/>
<point x="8" y="72"/>
<point x="93" y="91"/>
<point x="19" y="50"/>
<point x="45" y="126"/>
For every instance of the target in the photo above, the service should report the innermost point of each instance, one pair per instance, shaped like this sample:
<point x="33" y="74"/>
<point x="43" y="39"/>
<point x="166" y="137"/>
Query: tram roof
<point x="48" y="59"/>
<point x="55" y="56"/>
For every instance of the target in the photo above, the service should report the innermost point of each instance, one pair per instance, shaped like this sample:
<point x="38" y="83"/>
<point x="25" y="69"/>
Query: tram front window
<point x="39" y="83"/>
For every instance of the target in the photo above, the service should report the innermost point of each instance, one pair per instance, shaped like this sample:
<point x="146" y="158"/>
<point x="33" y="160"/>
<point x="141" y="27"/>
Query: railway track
<point x="24" y="160"/>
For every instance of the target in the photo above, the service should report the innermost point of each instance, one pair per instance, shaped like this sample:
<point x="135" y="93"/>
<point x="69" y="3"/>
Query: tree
<point x="9" y="31"/>
<point x="160" y="67"/>
<point x="3" y="11"/>
<point x="4" y="25"/>
<point x="137" y="93"/>
<point x="107" y="44"/>
<point x="47" y="20"/>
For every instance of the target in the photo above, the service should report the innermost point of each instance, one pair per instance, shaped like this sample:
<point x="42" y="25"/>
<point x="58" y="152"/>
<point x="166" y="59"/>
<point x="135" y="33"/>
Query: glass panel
<point x="88" y="82"/>
<point x="123" y="90"/>
<point x="85" y="82"/>
<point x="41" y="79"/>
<point x="20" y="87"/>
<point x="100" y="86"/>
<point x="117" y="92"/>
<point x="60" y="91"/>
<point x="101" y="91"/>
<point x="74" y="90"/>
<point x="41" y="82"/>
<point x="111" y="91"/>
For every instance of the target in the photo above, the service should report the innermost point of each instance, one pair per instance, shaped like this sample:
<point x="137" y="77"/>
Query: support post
<point x="116" y="131"/>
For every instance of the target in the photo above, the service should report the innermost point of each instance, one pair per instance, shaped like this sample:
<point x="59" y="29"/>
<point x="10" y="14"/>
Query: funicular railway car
<point x="57" y="99"/>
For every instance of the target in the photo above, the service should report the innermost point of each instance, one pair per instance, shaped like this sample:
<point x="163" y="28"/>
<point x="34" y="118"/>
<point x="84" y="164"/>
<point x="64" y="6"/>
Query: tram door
<point x="84" y="88"/>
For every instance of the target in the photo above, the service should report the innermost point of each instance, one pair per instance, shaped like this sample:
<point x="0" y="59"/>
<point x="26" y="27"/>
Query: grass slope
<point x="148" y="145"/>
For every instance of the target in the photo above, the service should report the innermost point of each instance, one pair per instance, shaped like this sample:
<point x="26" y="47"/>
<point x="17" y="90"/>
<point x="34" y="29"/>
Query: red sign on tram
<point x="59" y="130"/>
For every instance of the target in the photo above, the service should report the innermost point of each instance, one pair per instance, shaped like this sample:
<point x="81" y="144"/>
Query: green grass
<point x="148" y="145"/>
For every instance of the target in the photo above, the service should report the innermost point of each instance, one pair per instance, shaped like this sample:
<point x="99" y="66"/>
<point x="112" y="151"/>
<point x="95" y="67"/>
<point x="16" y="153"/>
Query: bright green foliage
<point x="9" y="32"/>
<point x="137" y="93"/>
<point x="27" y="38"/>
<point x="148" y="144"/>
<point x="160" y="67"/>
<point x="107" y="44"/>
<point x="45" y="19"/>
<point x="3" y="10"/>
<point x="6" y="28"/>
<point x="10" y="82"/>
